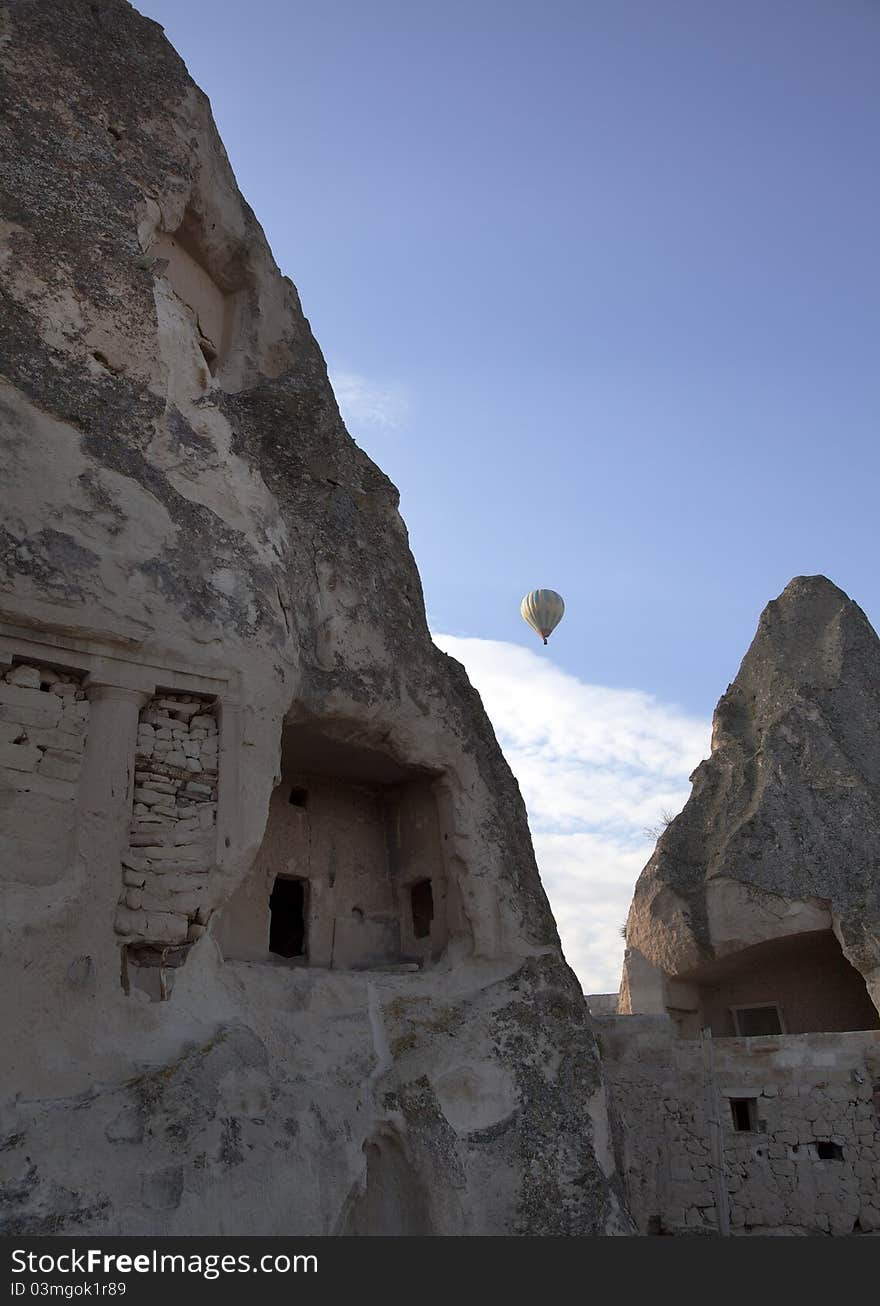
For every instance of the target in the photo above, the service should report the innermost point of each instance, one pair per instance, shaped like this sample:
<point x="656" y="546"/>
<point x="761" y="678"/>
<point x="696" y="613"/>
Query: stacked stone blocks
<point x="43" y="721"/>
<point x="171" y="849"/>
<point x="810" y="1164"/>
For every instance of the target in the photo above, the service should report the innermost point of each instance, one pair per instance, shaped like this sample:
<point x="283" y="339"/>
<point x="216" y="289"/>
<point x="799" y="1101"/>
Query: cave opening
<point x="797" y="984"/>
<point x="351" y="873"/>
<point x="287" y="917"/>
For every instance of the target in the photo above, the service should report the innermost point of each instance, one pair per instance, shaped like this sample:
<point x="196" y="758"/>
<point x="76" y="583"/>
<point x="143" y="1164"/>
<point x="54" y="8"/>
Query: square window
<point x="763" y="1018"/>
<point x="745" y="1114"/>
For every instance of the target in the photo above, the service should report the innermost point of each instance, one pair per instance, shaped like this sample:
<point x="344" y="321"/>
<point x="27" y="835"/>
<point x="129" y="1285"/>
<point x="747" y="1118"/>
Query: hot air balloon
<point x="542" y="610"/>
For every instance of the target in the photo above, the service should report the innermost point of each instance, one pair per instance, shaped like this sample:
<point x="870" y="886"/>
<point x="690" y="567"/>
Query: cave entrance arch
<point x="798" y="984"/>
<point x="352" y="872"/>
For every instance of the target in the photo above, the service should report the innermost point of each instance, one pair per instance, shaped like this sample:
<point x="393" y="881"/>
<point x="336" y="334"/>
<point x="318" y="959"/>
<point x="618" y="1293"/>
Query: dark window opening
<point x="421" y="898"/>
<point x="829" y="1151"/>
<point x="751" y="1022"/>
<point x="287" y="918"/>
<point x="745" y="1114"/>
<point x="299" y="797"/>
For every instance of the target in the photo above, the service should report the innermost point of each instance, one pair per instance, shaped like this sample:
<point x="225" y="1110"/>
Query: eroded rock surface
<point x="766" y="888"/>
<point x="276" y="955"/>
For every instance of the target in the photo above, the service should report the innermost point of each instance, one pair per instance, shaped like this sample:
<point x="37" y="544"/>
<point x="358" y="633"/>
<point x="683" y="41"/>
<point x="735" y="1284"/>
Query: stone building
<point x="754" y="1135"/>
<point x="745" y="1061"/>
<point x="276" y="955"/>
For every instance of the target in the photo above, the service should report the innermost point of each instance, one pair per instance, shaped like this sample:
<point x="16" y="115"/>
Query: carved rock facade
<point x="766" y="888"/>
<point x="277" y="958"/>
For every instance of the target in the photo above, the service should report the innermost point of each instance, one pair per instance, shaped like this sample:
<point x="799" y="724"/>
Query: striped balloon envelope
<point x="542" y="610"/>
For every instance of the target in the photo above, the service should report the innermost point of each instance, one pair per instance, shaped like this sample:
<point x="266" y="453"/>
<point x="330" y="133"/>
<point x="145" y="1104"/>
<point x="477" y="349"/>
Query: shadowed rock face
<point x="195" y="550"/>
<point x="781" y="834"/>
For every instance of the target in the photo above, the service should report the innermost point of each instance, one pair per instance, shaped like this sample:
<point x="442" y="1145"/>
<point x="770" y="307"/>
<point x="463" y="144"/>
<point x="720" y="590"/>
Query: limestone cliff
<point x="780" y="836"/>
<point x="276" y="955"/>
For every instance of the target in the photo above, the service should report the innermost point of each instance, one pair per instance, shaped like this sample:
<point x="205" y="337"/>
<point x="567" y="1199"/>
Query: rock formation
<point x="759" y="911"/>
<point x="276" y="955"/>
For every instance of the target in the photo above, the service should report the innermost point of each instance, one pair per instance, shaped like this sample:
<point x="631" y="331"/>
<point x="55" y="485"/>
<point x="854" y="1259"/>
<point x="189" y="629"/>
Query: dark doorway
<point x="422" y="901"/>
<point x="287" y="918"/>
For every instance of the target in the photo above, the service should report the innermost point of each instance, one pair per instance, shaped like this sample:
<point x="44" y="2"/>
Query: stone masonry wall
<point x="807" y="1164"/>
<point x="166" y="868"/>
<point x="43" y="722"/>
<point x="43" y="718"/>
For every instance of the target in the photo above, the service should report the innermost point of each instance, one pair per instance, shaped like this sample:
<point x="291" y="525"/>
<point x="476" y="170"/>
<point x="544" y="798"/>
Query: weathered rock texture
<point x="187" y="525"/>
<point x="773" y="866"/>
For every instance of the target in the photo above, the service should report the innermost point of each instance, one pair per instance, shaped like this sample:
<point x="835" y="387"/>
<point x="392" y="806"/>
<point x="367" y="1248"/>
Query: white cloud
<point x="596" y="767"/>
<point x="363" y="402"/>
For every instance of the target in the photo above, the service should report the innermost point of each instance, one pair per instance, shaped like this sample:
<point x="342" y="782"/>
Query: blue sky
<point x="598" y="287"/>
